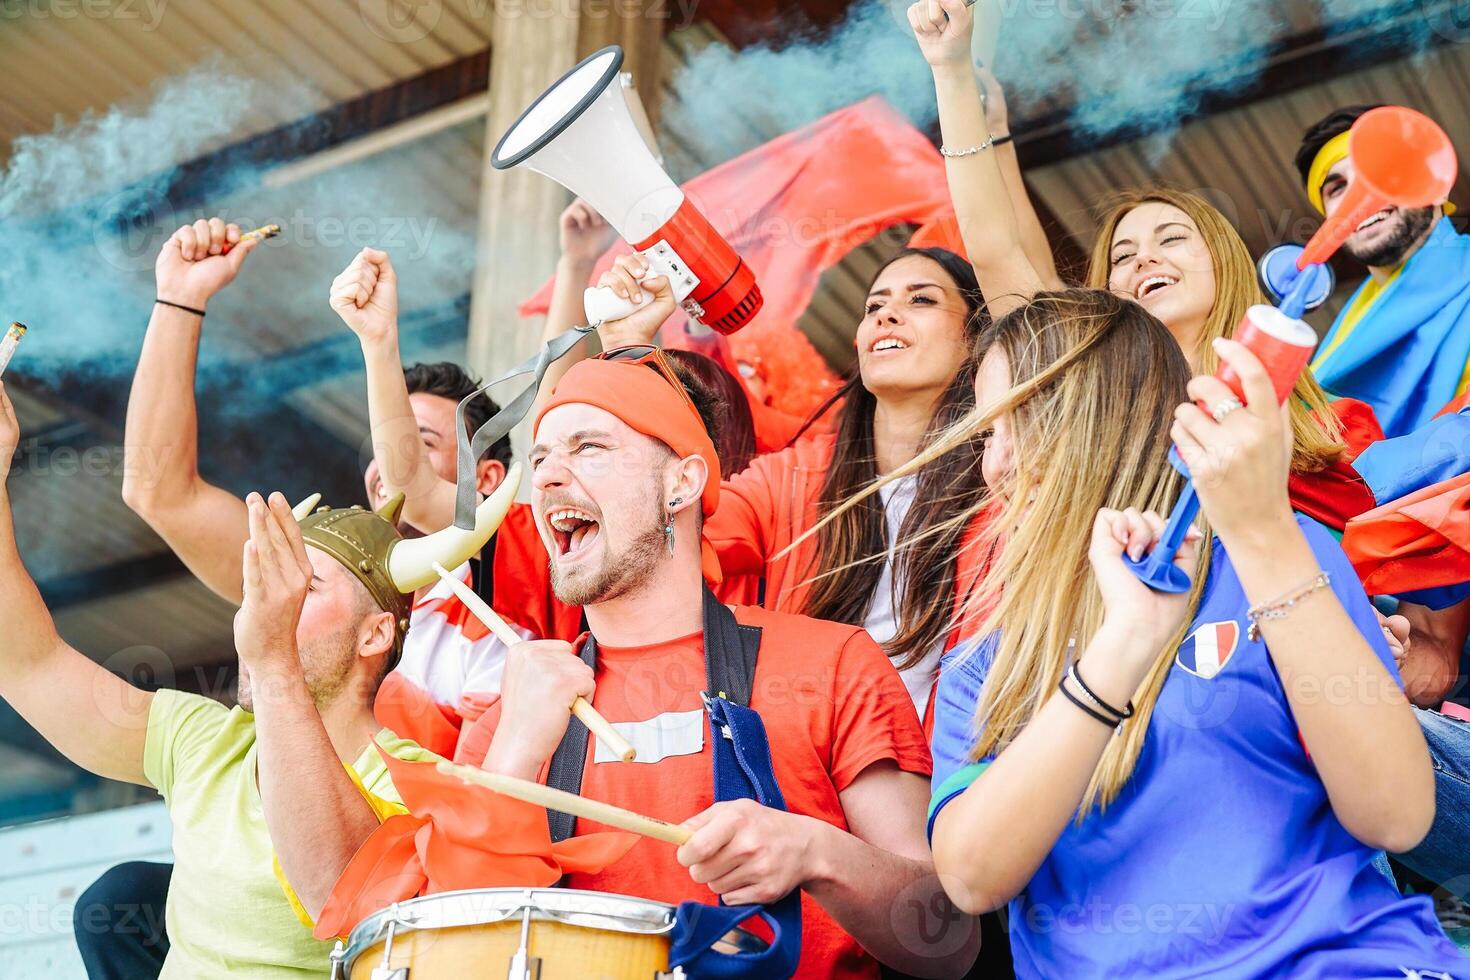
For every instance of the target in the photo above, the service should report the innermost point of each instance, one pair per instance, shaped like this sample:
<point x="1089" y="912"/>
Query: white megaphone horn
<point x="581" y="135"/>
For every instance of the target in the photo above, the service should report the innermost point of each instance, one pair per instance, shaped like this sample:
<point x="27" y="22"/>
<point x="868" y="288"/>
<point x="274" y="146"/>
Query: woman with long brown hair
<point x="915" y="377"/>
<point x="1166" y="785"/>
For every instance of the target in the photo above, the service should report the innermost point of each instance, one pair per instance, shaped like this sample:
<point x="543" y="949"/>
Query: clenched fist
<point x="365" y="296"/>
<point x="193" y="266"/>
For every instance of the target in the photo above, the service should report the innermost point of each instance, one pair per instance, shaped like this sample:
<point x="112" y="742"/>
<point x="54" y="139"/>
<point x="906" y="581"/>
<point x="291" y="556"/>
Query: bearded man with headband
<point x="625" y="474"/>
<point x="1402" y="343"/>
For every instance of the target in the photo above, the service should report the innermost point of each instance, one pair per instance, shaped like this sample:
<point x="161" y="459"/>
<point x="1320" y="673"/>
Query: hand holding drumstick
<point x="549" y="672"/>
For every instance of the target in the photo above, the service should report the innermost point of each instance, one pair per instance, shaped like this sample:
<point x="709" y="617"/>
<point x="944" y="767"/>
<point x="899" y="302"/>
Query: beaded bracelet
<point x="969" y="151"/>
<point x="1278" y="608"/>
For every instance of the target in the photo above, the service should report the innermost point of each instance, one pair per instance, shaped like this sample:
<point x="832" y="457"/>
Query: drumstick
<point x="586" y="714"/>
<point x="577" y="806"/>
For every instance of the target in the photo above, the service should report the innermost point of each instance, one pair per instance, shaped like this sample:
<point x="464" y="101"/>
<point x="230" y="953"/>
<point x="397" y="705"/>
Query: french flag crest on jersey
<point x="1204" y="652"/>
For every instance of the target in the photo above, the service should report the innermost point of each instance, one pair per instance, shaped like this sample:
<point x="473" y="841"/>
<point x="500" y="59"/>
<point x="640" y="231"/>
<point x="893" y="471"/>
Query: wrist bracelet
<point x="945" y="151"/>
<point x="1278" y="608"/>
<point x="180" y="306"/>
<point x="1091" y="695"/>
<point x="1110" y="723"/>
<point x="1003" y="140"/>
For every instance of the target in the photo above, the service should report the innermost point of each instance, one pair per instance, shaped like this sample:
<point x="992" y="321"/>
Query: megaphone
<point x="1400" y="158"/>
<point x="580" y="133"/>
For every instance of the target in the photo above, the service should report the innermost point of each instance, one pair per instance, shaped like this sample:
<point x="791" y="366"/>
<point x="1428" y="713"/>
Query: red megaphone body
<point x="1400" y="158"/>
<point x="581" y="135"/>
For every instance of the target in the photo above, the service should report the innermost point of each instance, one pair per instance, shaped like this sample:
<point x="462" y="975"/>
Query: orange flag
<point x="1421" y="541"/>
<point x="456" y="836"/>
<point x="794" y="208"/>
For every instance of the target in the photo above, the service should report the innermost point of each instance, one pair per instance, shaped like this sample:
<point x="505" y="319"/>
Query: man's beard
<point x="619" y="573"/>
<point x="327" y="664"/>
<point x="1412" y="224"/>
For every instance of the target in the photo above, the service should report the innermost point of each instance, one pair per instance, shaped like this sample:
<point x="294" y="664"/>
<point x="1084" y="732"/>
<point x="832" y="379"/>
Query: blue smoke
<point x="85" y="208"/>
<point x="1117" y="66"/>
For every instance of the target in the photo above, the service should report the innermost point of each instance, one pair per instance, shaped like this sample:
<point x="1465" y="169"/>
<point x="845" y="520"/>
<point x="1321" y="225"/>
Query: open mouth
<point x="1152" y="285"/>
<point x="1374" y="219"/>
<point x="887" y="344"/>
<point x="575" y="531"/>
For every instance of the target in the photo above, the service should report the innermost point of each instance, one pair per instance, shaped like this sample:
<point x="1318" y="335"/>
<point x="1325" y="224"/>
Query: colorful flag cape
<point x="1408" y="353"/>
<point x="1416" y="543"/>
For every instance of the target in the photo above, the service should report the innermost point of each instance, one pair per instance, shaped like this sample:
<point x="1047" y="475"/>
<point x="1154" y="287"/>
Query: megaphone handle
<point x="604" y="306"/>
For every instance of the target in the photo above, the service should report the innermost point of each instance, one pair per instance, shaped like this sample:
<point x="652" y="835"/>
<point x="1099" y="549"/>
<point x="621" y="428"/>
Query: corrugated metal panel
<point x="64" y="58"/>
<point x="1242" y="159"/>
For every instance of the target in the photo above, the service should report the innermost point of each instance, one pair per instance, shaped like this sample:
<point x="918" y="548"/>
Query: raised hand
<point x="365" y="296"/>
<point x="192" y="266"/>
<point x="653" y="296"/>
<point x="9" y="433"/>
<point x="943" y="29"/>
<point x="276" y="576"/>
<point x="585" y="234"/>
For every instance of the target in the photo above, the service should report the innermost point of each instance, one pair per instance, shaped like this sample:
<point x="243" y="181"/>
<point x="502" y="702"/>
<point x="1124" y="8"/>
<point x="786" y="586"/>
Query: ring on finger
<point x="1227" y="406"/>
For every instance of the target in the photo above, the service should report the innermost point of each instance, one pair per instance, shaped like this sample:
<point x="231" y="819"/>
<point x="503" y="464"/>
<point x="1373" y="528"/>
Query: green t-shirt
<point x="227" y="914"/>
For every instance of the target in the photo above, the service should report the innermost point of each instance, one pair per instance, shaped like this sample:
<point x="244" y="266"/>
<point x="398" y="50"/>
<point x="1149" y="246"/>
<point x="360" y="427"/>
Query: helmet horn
<point x="303" y="510"/>
<point x="411" y="562"/>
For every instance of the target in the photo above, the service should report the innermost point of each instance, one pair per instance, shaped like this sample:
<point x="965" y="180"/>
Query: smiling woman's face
<point x="1160" y="259"/>
<point x="913" y="336"/>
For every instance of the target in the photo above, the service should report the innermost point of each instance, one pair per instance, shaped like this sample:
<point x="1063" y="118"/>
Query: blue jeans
<point x="119" y="922"/>
<point x="1444" y="856"/>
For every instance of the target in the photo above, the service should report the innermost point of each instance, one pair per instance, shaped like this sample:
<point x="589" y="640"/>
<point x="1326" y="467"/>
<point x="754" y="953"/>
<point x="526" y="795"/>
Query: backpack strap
<point x="730" y="652"/>
<point x="569" y="759"/>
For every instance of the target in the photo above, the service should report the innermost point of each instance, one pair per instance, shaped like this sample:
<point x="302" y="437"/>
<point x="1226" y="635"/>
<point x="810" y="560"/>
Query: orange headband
<point x="645" y="401"/>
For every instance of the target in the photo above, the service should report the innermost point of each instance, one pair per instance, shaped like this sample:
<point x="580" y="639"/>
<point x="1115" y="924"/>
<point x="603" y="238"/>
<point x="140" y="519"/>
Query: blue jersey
<point x="1221" y="857"/>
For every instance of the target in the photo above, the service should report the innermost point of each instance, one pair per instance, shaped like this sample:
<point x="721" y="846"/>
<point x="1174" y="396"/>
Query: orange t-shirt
<point x="832" y="706"/>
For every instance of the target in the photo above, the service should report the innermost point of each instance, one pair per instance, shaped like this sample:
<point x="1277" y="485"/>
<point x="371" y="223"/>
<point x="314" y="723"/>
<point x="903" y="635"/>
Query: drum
<point x="518" y="934"/>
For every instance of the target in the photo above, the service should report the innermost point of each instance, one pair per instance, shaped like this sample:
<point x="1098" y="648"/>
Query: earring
<point x="675" y="502"/>
<point x="669" y="535"/>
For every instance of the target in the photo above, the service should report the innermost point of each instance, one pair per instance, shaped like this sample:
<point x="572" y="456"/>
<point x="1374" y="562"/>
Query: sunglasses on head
<point x="656" y="358"/>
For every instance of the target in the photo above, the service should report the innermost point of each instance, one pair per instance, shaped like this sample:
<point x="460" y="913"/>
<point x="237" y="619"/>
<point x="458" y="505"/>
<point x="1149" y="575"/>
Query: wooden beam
<point x="518" y="243"/>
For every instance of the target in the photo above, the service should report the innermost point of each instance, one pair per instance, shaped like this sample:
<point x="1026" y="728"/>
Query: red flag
<point x="794" y="208"/>
<point x="1338" y="493"/>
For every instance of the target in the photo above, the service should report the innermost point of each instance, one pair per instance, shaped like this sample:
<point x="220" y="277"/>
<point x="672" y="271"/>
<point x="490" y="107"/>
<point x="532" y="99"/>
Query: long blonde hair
<point x="1315" y="429"/>
<point x="1095" y="380"/>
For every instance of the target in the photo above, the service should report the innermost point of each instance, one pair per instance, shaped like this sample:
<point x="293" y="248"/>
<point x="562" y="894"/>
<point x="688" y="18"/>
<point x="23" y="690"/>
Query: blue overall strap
<point x="743" y="771"/>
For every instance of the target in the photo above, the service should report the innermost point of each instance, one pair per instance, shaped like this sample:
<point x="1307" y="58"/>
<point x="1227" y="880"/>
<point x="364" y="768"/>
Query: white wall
<point x="45" y="866"/>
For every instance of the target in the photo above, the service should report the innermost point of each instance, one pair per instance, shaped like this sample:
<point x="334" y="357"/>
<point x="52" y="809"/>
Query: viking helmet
<point x="390" y="566"/>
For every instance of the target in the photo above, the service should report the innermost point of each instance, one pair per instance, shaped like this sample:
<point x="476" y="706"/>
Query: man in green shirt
<point x="291" y="774"/>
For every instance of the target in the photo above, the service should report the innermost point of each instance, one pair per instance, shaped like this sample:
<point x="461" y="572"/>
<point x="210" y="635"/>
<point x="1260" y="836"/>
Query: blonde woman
<point x="1155" y="788"/>
<point x="1172" y="252"/>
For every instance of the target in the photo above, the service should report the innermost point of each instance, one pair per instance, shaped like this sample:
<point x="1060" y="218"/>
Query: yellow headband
<point x="1332" y="153"/>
